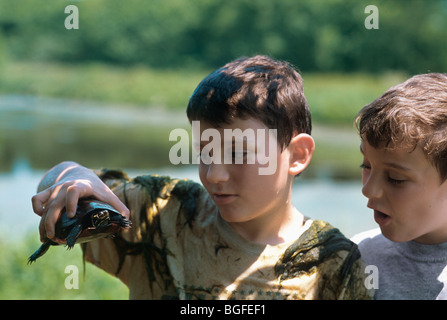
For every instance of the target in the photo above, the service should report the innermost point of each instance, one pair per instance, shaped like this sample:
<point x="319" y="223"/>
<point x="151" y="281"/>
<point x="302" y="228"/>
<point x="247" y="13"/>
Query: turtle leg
<point x="122" y="222"/>
<point x="73" y="235"/>
<point x="125" y="223"/>
<point x="39" y="252"/>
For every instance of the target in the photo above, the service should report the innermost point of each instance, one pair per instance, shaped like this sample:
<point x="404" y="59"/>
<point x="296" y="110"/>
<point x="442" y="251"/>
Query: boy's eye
<point x="239" y="154"/>
<point x="238" y="157"/>
<point x="364" y="166"/>
<point x="395" y="181"/>
<point x="205" y="156"/>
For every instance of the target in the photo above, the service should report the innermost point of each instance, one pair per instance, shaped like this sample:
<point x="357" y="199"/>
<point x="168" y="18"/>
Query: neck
<point x="272" y="228"/>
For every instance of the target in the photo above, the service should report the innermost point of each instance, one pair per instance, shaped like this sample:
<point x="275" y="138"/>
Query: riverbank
<point x="334" y="98"/>
<point x="45" y="131"/>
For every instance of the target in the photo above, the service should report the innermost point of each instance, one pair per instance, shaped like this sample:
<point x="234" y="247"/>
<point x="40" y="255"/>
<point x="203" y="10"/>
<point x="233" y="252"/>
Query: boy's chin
<point x="231" y="216"/>
<point x="394" y="235"/>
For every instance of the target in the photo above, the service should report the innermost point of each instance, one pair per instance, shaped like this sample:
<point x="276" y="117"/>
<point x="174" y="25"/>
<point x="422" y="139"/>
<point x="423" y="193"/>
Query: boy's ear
<point x="301" y="149"/>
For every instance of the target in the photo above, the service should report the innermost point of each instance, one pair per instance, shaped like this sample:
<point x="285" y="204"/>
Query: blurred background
<point x="109" y="93"/>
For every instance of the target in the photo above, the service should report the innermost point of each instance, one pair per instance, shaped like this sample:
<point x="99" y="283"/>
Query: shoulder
<point x="366" y="235"/>
<point x="371" y="240"/>
<point x="320" y="243"/>
<point x="155" y="201"/>
<point x="156" y="194"/>
<point x="338" y="261"/>
<point x="373" y="245"/>
<point x="327" y="235"/>
<point x="153" y="186"/>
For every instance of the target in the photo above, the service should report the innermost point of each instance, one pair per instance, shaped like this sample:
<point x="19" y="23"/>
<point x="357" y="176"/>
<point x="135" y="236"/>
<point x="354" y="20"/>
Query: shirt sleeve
<point x="117" y="255"/>
<point x="138" y="256"/>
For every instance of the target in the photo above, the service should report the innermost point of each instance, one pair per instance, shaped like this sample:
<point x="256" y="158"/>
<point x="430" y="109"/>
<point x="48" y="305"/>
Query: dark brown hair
<point x="259" y="87"/>
<point x="410" y="114"/>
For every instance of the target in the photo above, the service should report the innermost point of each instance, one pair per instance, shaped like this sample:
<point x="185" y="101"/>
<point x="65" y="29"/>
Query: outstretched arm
<point x="62" y="186"/>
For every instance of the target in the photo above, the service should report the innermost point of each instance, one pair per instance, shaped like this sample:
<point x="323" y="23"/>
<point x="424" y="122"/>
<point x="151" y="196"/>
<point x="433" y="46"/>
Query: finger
<point x="115" y="202"/>
<point x="50" y="194"/>
<point x="71" y="201"/>
<point x="52" y="215"/>
<point x="42" y="231"/>
<point x="43" y="234"/>
<point x="39" y="200"/>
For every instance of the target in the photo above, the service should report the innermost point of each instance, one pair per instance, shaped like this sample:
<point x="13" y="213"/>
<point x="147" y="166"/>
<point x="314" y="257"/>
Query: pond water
<point x="36" y="133"/>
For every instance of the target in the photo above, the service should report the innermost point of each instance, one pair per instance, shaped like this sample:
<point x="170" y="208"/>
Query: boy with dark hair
<point x="237" y="237"/>
<point x="404" y="147"/>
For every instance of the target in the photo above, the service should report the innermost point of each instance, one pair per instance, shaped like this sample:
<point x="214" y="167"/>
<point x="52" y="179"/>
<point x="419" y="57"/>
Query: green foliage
<point x="335" y="99"/>
<point x="316" y="35"/>
<point x="45" y="279"/>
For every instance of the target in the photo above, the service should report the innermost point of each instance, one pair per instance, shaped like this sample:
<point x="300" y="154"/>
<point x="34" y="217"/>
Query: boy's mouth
<point x="223" y="198"/>
<point x="381" y="218"/>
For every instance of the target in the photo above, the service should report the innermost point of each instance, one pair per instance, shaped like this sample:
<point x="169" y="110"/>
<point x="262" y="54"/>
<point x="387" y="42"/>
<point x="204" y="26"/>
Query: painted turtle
<point x="94" y="219"/>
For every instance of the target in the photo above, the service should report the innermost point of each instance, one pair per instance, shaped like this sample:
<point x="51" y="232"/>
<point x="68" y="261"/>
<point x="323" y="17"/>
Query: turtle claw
<point x="31" y="259"/>
<point x="71" y="241"/>
<point x="124" y="223"/>
<point x="39" y="252"/>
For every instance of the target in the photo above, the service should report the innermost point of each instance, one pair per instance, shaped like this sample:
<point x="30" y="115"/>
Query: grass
<point x="137" y="85"/>
<point x="45" y="279"/>
<point x="334" y="98"/>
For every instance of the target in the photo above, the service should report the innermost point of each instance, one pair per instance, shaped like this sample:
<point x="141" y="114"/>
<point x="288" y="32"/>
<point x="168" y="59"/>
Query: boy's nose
<point x="217" y="173"/>
<point x="371" y="187"/>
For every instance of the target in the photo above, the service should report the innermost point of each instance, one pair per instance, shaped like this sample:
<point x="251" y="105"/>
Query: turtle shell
<point x="93" y="220"/>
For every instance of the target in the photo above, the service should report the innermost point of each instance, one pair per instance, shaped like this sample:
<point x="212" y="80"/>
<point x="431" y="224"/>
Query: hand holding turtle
<point x="62" y="187"/>
<point x="93" y="220"/>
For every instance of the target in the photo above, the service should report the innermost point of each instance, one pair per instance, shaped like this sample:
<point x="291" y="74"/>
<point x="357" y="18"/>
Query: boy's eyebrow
<point x="203" y="143"/>
<point x="392" y="164"/>
<point x="397" y="166"/>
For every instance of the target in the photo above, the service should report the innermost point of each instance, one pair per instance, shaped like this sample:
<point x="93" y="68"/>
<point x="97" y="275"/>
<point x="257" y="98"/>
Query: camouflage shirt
<point x="180" y="248"/>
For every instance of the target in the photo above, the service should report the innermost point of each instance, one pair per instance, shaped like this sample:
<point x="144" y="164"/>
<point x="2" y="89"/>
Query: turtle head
<point x="101" y="219"/>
